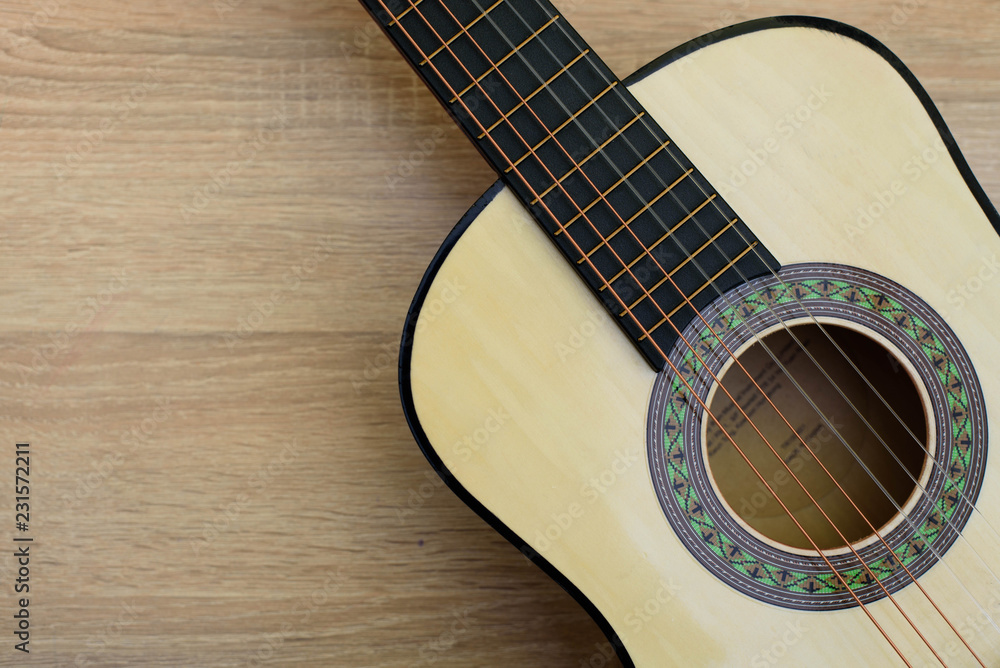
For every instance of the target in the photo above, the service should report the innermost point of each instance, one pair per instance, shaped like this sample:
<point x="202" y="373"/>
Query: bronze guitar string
<point x="672" y="323"/>
<point x="934" y="464"/>
<point x="867" y="381"/>
<point x="613" y="291"/>
<point x="812" y="403"/>
<point x="860" y="603"/>
<point x="837" y="574"/>
<point x="494" y="66"/>
<point x="787" y="374"/>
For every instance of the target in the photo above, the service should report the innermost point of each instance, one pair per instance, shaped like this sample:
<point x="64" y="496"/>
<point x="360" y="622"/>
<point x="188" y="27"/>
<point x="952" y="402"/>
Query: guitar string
<point x="645" y="122"/>
<point x="836" y="432"/>
<point x="930" y="458"/>
<point x="741" y="233"/>
<point x="431" y="26"/>
<point x="611" y="289"/>
<point x="860" y="374"/>
<point x="812" y="403"/>
<point x="495" y="67"/>
<point x="670" y="363"/>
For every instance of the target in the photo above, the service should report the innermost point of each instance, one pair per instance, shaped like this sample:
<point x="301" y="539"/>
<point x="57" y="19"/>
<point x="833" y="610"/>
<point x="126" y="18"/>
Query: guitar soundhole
<point x="869" y="432"/>
<point x="919" y="428"/>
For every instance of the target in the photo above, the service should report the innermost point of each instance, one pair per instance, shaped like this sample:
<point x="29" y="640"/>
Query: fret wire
<point x="460" y="32"/>
<point x="729" y="265"/>
<point x="539" y="90"/>
<point x="678" y="267"/>
<point x="648" y="206"/>
<point x="616" y="184"/>
<point x="766" y="261"/>
<point x="688" y="299"/>
<point x="496" y="65"/>
<point x="869" y="570"/>
<point x="413" y="5"/>
<point x="507" y="159"/>
<point x="683" y="220"/>
<point x="581" y="163"/>
<point x="657" y="198"/>
<point x="625" y="225"/>
<point x="539" y="198"/>
<point x="793" y="518"/>
<point x="661" y="239"/>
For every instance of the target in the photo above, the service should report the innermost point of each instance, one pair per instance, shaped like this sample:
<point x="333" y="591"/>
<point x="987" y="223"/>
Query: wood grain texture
<point x="231" y="160"/>
<point x="563" y="466"/>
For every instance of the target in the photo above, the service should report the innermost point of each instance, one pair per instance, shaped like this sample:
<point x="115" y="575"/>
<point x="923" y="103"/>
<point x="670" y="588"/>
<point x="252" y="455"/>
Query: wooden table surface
<point x="204" y="280"/>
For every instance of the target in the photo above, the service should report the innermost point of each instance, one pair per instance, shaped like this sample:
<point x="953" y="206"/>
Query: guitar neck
<point x="644" y="229"/>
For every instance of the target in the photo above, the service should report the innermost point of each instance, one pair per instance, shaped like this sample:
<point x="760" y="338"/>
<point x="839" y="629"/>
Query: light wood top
<point x="206" y="275"/>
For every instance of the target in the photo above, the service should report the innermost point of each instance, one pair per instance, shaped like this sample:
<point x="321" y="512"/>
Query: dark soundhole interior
<point x="871" y="436"/>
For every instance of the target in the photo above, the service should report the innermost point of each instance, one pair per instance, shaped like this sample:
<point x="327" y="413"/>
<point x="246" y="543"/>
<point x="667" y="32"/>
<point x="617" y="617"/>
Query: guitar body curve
<point x="527" y="399"/>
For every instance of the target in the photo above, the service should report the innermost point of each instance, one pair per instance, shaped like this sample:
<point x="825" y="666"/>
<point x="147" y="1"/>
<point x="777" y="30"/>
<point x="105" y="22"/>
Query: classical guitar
<point x="718" y="351"/>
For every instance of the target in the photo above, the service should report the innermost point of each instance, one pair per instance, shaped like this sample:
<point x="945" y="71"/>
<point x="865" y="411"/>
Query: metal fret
<point x="657" y="198"/>
<point x="689" y="258"/>
<point x="580" y="164"/>
<point x="600" y="107"/>
<point x="659" y="241"/>
<point x="461" y="32"/>
<point x="500" y="62"/>
<point x="612" y="188"/>
<point x="403" y="13"/>
<point x="686" y="218"/>
<point x="538" y="90"/>
<point x="729" y="265"/>
<point x="645" y="208"/>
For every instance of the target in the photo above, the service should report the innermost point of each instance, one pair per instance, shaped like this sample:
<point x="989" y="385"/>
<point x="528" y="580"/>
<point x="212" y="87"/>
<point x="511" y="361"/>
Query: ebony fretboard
<point x="635" y="218"/>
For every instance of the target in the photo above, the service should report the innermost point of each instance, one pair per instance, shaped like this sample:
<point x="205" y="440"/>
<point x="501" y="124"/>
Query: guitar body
<point x="538" y="412"/>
